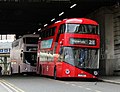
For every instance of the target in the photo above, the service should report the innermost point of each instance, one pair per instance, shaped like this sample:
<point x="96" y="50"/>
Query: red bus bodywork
<point x="61" y="69"/>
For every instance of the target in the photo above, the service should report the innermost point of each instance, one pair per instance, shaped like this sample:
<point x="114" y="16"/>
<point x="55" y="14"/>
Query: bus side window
<point x="61" y="54"/>
<point x="21" y="55"/>
<point x="52" y="33"/>
<point x="48" y="32"/>
<point x="60" y="31"/>
<point x="43" y="34"/>
<point x="23" y="40"/>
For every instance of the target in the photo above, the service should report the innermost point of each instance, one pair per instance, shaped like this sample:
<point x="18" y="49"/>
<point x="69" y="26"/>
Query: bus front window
<point x="31" y="40"/>
<point x="82" y="29"/>
<point x="30" y="58"/>
<point x="68" y="55"/>
<point x="81" y="57"/>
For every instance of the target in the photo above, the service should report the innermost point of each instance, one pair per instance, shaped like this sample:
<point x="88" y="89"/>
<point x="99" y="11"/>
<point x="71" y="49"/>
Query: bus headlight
<point x="95" y="73"/>
<point x="67" y="71"/>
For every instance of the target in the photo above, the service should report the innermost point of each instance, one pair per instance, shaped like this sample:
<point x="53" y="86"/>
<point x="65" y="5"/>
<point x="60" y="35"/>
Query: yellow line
<point x="12" y="86"/>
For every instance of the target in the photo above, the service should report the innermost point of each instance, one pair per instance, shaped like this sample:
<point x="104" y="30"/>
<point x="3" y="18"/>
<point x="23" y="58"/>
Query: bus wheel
<point x="40" y="71"/>
<point x="18" y="69"/>
<point x="55" y="73"/>
<point x="11" y="71"/>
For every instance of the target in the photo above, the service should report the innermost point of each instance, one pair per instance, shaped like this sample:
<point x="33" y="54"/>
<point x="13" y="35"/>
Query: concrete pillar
<point x="5" y="65"/>
<point x="109" y="43"/>
<point x="104" y="16"/>
<point x="117" y="39"/>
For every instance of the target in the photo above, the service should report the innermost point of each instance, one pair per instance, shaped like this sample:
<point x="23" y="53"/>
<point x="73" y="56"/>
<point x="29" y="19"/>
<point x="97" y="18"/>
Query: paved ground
<point x="46" y="84"/>
<point x="110" y="79"/>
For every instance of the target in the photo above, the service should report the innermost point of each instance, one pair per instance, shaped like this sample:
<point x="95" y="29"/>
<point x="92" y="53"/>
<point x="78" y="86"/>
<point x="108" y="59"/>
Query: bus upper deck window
<point x="23" y="40"/>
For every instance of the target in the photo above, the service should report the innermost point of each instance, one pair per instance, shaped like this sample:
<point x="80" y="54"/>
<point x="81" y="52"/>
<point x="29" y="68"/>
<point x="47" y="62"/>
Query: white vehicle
<point x="24" y="53"/>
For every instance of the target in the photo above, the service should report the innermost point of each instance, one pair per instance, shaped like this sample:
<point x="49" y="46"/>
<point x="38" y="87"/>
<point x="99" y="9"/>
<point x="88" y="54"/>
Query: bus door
<point x="30" y="61"/>
<point x="59" y="60"/>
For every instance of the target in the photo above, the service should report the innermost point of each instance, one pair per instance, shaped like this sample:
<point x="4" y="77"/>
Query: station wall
<point x="109" y="23"/>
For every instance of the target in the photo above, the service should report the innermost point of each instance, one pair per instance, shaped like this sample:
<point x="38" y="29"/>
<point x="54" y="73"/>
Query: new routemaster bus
<point x="69" y="49"/>
<point x="24" y="53"/>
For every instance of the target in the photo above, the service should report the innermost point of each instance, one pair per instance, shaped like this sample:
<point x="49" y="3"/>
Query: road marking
<point x="9" y="90"/>
<point x="14" y="86"/>
<point x="80" y="86"/>
<point x="73" y="84"/>
<point x="88" y="89"/>
<point x="16" y="89"/>
<point x="9" y="86"/>
<point x="66" y="83"/>
<point x="97" y="91"/>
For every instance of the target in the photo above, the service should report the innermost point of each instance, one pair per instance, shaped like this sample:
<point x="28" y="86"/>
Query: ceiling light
<point x="73" y="5"/>
<point x="61" y="13"/>
<point x="52" y="19"/>
<point x="34" y="33"/>
<point x="39" y="29"/>
<point x="45" y="25"/>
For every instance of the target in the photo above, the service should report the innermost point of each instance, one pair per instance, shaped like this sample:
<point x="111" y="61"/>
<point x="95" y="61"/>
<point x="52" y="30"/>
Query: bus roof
<point x="30" y="35"/>
<point x="26" y="35"/>
<point x="74" y="20"/>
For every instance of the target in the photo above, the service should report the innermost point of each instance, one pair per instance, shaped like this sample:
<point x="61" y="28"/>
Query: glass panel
<point x="15" y="44"/>
<point x="82" y="29"/>
<point x="11" y="37"/>
<point x="31" y="40"/>
<point x="46" y="43"/>
<point x="53" y="31"/>
<point x="62" y="29"/>
<point x="31" y="48"/>
<point x="30" y="58"/>
<point x="4" y="37"/>
<point x="81" y="57"/>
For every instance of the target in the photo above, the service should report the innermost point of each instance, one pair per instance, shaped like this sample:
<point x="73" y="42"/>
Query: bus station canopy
<point x="27" y="16"/>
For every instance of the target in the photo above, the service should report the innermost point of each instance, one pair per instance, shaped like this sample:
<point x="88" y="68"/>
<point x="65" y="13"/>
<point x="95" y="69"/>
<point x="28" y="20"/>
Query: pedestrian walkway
<point x="110" y="79"/>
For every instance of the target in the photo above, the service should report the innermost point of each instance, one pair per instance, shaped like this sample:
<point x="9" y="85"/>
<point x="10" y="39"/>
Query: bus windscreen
<point x="31" y="40"/>
<point x="82" y="29"/>
<point x="80" y="57"/>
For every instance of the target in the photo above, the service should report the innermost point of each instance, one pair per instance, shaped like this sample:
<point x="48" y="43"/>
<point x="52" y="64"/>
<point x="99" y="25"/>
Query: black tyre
<point x="11" y="70"/>
<point x="18" y="69"/>
<point x="40" y="71"/>
<point x="55" y="73"/>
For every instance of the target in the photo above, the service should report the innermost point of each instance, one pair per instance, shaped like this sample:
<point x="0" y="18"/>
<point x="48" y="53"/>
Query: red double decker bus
<point x="69" y="49"/>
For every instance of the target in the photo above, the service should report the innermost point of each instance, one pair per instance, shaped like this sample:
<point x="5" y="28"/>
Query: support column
<point x="109" y="44"/>
<point x="5" y="65"/>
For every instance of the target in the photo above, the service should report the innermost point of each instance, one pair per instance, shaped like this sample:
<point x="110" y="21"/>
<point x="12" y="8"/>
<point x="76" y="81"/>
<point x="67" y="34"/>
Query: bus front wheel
<point x="18" y="69"/>
<point x="55" y="73"/>
<point x="40" y="71"/>
<point x="11" y="71"/>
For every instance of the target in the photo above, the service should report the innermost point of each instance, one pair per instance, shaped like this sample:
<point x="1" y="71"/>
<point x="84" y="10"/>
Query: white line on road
<point x="7" y="85"/>
<point x="80" y="86"/>
<point x="9" y="90"/>
<point x="88" y="88"/>
<point x="13" y="86"/>
<point x="97" y="91"/>
<point x="73" y="84"/>
<point x="66" y="83"/>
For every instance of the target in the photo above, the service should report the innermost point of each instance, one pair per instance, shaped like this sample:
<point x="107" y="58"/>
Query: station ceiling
<point x="27" y="16"/>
